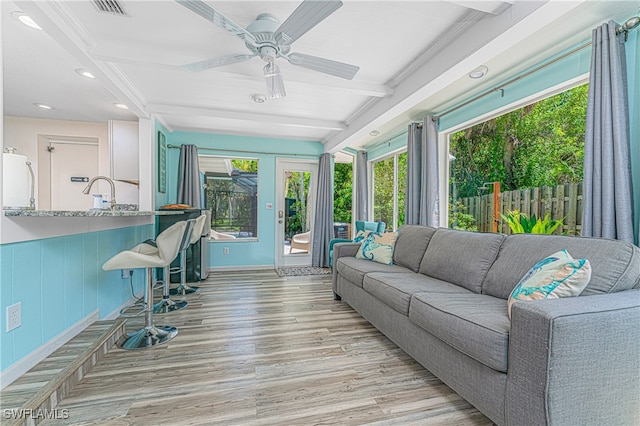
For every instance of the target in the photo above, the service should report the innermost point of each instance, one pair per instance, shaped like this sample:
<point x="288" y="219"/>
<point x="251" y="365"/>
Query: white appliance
<point x="17" y="181"/>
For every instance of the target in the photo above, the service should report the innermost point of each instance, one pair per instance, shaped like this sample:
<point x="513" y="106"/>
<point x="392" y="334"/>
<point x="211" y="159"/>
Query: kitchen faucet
<point x="113" y="189"/>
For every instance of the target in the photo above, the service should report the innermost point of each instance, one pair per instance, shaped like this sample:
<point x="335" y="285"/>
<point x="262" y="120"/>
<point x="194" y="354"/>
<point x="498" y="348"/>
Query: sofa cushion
<point x="411" y="244"/>
<point x="475" y="324"/>
<point x="378" y="247"/>
<point x="615" y="265"/>
<point x="461" y="257"/>
<point x="556" y="276"/>
<point x="395" y="289"/>
<point x="354" y="269"/>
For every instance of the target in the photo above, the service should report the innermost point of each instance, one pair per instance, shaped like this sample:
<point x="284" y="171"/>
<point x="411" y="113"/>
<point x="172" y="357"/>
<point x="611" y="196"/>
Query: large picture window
<point x="389" y="183"/>
<point x="527" y="163"/>
<point x="231" y="194"/>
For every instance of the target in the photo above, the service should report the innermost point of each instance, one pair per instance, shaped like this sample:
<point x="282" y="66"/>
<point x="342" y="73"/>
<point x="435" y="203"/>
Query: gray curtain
<point x="422" y="200"/>
<point x="189" y="185"/>
<point x="362" y="187"/>
<point x="323" y="223"/>
<point x="608" y="196"/>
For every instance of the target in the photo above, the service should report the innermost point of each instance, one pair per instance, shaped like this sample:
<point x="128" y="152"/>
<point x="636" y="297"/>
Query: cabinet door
<point x="123" y="145"/>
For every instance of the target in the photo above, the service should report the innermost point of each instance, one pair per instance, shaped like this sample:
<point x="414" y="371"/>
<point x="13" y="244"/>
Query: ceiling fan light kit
<point x="275" y="85"/>
<point x="267" y="38"/>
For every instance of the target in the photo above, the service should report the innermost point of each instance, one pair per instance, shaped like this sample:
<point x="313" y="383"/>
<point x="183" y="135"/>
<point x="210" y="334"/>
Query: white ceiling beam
<point x="282" y="120"/>
<point x="355" y="87"/>
<point x="487" y="39"/>
<point x="493" y="7"/>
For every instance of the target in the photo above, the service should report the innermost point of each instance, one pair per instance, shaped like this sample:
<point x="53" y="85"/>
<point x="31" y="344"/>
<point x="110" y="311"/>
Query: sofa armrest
<point x="575" y="361"/>
<point x="341" y="250"/>
<point x="336" y="241"/>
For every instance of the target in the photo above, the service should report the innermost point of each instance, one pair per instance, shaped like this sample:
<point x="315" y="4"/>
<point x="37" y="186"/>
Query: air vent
<point x="110" y="6"/>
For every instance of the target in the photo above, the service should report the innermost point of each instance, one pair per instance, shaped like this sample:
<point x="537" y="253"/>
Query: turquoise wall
<point x="632" y="47"/>
<point x="60" y="281"/>
<point x="564" y="70"/>
<point x="266" y="150"/>
<point x="392" y="144"/>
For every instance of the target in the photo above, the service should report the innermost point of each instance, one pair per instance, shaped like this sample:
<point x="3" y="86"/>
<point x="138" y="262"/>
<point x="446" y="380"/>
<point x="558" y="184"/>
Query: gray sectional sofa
<point x="570" y="361"/>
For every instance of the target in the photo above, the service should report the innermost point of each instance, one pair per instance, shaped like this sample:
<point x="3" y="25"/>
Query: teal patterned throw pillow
<point x="556" y="276"/>
<point x="378" y="247"/>
<point x="360" y="236"/>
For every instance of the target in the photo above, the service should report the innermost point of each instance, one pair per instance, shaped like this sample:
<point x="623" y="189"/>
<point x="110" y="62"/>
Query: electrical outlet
<point x="14" y="316"/>
<point x="225" y="250"/>
<point x="126" y="273"/>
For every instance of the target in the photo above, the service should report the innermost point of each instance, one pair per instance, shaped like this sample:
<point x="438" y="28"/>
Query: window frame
<point x="445" y="135"/>
<point x="370" y="171"/>
<point x="257" y="218"/>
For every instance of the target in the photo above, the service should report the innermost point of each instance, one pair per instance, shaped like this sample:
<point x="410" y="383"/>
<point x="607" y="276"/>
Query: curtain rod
<point x="236" y="151"/>
<point x="501" y="87"/>
<point x="629" y="25"/>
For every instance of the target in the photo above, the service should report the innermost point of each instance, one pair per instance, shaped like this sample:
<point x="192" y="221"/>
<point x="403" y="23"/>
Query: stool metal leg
<point x="166" y="305"/>
<point x="184" y="288"/>
<point x="150" y="335"/>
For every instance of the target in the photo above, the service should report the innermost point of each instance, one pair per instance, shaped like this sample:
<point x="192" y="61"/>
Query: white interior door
<point x="73" y="160"/>
<point x="295" y="211"/>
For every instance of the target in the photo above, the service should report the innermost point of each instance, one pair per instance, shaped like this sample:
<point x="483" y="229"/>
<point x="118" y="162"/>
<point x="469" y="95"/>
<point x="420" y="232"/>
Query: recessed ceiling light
<point x="479" y="72"/>
<point x="25" y="19"/>
<point x="121" y="106"/>
<point x="85" y="73"/>
<point x="258" y="98"/>
<point x="374" y="133"/>
<point x="43" y="106"/>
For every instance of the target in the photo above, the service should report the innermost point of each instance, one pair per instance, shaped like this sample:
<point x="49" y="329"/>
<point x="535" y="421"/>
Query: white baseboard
<point x="241" y="268"/>
<point x="14" y="371"/>
<point x="115" y="314"/>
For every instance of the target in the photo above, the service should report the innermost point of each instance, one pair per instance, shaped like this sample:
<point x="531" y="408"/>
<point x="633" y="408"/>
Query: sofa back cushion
<point x="615" y="265"/>
<point x="411" y="245"/>
<point x="461" y="257"/>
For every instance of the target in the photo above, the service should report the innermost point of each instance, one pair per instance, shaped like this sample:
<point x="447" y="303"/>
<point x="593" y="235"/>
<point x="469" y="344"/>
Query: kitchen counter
<point x="87" y="213"/>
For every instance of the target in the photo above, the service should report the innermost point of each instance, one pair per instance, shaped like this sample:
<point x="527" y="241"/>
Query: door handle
<point x="280" y="214"/>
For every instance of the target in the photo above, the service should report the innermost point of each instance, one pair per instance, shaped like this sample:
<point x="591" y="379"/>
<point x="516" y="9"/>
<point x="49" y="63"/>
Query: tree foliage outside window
<point x="342" y="192"/>
<point x="541" y="144"/>
<point x="232" y="198"/>
<point x="297" y="196"/>
<point x="389" y="188"/>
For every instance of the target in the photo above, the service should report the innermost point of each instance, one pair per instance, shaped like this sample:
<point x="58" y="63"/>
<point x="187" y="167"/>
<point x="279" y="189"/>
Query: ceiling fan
<point x="267" y="38"/>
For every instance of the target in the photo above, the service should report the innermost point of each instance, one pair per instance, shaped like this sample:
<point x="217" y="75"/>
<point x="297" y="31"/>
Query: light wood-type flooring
<point x="257" y="349"/>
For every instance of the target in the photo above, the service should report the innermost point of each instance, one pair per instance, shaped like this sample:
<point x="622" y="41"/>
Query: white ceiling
<point x="413" y="58"/>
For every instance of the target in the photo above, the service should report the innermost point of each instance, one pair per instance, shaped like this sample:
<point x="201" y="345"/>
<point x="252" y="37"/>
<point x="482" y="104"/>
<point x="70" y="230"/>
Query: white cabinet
<point x="123" y="149"/>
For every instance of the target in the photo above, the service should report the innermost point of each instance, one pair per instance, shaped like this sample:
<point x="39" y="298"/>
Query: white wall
<point x="22" y="133"/>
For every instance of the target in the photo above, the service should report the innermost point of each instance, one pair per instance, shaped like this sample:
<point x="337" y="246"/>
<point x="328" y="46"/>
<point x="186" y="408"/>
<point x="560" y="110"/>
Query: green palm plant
<point x="521" y="224"/>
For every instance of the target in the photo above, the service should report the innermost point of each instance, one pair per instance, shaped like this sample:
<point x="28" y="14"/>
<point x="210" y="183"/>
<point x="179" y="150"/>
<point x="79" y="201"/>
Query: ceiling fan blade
<point x="309" y="14"/>
<point x="217" y="62"/>
<point x="210" y="14"/>
<point x="327" y="66"/>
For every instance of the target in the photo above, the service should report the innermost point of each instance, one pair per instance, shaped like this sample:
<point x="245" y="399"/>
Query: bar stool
<point x="148" y="257"/>
<point x="196" y="233"/>
<point x="166" y="304"/>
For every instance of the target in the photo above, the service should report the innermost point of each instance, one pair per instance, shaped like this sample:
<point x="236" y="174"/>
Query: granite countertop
<point x="87" y="213"/>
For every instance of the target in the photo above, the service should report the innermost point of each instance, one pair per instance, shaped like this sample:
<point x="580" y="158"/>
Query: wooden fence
<point x="563" y="201"/>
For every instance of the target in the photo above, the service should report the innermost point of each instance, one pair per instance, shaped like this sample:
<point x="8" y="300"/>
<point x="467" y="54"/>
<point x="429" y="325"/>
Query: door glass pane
<point x="297" y="217"/>
<point x="383" y="191"/>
